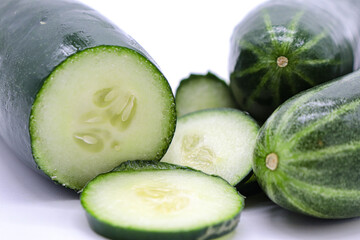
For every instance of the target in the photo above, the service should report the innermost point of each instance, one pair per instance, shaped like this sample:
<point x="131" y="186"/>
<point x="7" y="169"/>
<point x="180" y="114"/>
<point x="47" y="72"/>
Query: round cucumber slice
<point x="198" y="92"/>
<point x="100" y="107"/>
<point x="161" y="204"/>
<point x="215" y="141"/>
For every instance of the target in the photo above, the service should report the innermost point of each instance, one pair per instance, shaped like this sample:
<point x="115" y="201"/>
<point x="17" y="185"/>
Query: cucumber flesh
<point x="198" y="92"/>
<point x="100" y="107"/>
<point x="215" y="141"/>
<point x="161" y="204"/>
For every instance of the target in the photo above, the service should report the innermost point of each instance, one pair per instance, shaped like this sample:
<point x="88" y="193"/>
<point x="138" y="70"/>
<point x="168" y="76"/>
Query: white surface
<point x="183" y="37"/>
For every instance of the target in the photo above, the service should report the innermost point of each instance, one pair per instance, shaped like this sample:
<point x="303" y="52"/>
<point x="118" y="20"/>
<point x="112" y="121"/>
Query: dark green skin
<point x="30" y="50"/>
<point x="115" y="232"/>
<point x="143" y="165"/>
<point x="310" y="34"/>
<point x="316" y="137"/>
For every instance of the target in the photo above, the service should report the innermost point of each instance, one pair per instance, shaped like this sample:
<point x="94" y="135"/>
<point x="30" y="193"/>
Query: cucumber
<point x="215" y="141"/>
<point x="166" y="202"/>
<point x="307" y="155"/>
<point x="284" y="47"/>
<point x="80" y="96"/>
<point x="198" y="92"/>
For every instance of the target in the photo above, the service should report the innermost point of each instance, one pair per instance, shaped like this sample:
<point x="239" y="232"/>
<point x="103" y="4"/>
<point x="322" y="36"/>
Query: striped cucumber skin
<point x="284" y="47"/>
<point x="307" y="155"/>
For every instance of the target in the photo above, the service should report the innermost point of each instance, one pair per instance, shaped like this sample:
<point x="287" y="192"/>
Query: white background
<point x="183" y="37"/>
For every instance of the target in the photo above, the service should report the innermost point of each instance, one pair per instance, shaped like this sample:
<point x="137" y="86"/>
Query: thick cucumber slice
<point x="100" y="107"/>
<point x="215" y="141"/>
<point x="161" y="204"/>
<point x="199" y="92"/>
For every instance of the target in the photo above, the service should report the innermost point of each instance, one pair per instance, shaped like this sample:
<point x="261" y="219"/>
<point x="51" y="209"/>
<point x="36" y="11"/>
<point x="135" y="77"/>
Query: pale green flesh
<point x="219" y="142"/>
<point x="101" y="107"/>
<point x="161" y="200"/>
<point x="203" y="93"/>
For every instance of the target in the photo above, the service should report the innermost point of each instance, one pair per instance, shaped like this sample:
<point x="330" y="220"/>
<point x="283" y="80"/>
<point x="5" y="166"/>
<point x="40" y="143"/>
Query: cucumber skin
<point x="316" y="137"/>
<point x="31" y="50"/>
<point x="144" y="165"/>
<point x="337" y="19"/>
<point x="115" y="232"/>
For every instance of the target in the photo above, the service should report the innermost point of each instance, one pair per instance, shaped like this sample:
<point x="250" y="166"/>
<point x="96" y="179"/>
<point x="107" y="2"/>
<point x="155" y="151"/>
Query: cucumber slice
<point x="215" y="141"/>
<point x="161" y="204"/>
<point x="100" y="107"/>
<point x="199" y="92"/>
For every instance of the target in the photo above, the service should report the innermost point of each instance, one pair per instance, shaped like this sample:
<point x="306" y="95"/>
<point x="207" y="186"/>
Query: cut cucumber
<point x="90" y="116"/>
<point x="161" y="204"/>
<point x="199" y="92"/>
<point x="80" y="96"/>
<point x="215" y="141"/>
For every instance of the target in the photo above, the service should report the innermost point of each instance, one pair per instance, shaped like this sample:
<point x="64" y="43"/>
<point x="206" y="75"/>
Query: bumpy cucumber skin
<point x="312" y="35"/>
<point x="182" y="109"/>
<point x="316" y="137"/>
<point x="111" y="231"/>
<point x="37" y="36"/>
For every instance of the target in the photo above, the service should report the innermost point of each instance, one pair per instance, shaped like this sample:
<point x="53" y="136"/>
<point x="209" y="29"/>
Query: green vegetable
<point x="215" y="141"/>
<point x="161" y="203"/>
<point x="79" y="95"/>
<point x="307" y="155"/>
<point x="284" y="47"/>
<point x="198" y="92"/>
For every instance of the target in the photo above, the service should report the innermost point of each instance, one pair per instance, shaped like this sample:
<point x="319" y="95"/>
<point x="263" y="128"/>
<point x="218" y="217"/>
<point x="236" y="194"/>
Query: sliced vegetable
<point x="80" y="96"/>
<point x="284" y="47"/>
<point x="161" y="203"/>
<point x="215" y="141"/>
<point x="307" y="155"/>
<point x="198" y="92"/>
